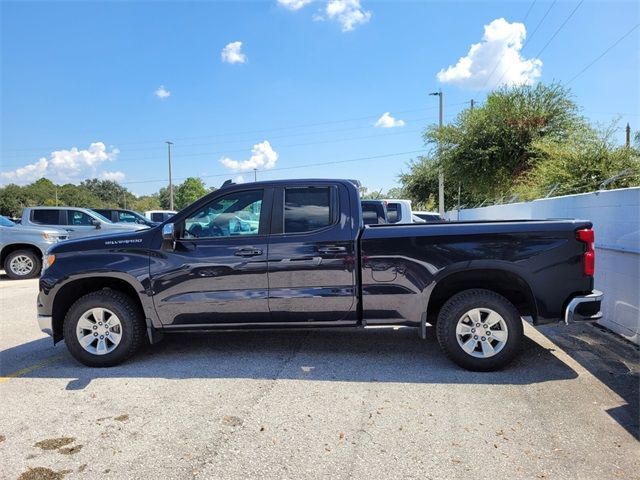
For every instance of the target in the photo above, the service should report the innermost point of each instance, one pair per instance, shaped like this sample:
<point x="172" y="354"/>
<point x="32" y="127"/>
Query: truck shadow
<point x="348" y="355"/>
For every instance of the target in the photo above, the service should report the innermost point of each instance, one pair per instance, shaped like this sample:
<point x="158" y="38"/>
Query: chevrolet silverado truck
<point x="295" y="254"/>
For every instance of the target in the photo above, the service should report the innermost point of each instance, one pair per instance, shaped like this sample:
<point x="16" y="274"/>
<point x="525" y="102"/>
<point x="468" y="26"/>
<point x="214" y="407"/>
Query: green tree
<point x="13" y="199"/>
<point x="580" y="163"/>
<point x="189" y="191"/>
<point x="110" y="193"/>
<point x="488" y="148"/>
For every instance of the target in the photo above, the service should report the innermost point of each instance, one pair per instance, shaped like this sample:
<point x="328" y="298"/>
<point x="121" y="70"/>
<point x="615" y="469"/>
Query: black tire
<point x="453" y="311"/>
<point x="35" y="260"/>
<point x="131" y="319"/>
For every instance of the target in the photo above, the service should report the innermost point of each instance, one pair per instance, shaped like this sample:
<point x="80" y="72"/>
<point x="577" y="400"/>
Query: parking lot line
<point x="31" y="368"/>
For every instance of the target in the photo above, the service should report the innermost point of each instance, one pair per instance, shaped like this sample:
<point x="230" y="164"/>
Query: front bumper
<point x="45" y="322"/>
<point x="584" y="308"/>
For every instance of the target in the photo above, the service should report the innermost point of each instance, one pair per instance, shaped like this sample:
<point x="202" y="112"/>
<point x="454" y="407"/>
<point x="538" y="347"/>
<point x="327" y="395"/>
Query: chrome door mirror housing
<point x="168" y="232"/>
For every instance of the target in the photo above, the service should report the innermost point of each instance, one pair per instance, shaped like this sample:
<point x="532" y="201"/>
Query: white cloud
<point x="348" y="13"/>
<point x="117" y="176"/>
<point x="162" y="92"/>
<point x="293" y="4"/>
<point x="387" y="121"/>
<point x="263" y="157"/>
<point x="495" y="61"/>
<point x="239" y="179"/>
<point x="232" y="53"/>
<point x="63" y="165"/>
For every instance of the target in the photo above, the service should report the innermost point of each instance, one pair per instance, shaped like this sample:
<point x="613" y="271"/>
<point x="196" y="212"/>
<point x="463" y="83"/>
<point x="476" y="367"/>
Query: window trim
<point x="263" y="224"/>
<point x="334" y="209"/>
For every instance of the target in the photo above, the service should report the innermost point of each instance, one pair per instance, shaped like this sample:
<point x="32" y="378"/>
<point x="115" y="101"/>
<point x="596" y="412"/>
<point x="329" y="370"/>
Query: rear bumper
<point x="45" y="322"/>
<point x="584" y="308"/>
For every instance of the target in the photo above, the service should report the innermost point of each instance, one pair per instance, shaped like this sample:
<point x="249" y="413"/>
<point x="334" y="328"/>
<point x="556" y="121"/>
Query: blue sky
<point x="305" y="87"/>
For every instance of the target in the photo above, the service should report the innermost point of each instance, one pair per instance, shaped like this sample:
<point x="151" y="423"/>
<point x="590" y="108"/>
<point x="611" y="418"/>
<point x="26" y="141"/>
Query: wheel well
<point x="507" y="284"/>
<point x="18" y="246"/>
<point x="78" y="288"/>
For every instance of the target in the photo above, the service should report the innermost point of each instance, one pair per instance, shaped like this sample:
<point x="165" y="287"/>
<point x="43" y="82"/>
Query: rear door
<point x="312" y="255"/>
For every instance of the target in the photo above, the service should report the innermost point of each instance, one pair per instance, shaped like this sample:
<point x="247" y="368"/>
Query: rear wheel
<point x="103" y="328"/>
<point x="22" y="264"/>
<point x="479" y="330"/>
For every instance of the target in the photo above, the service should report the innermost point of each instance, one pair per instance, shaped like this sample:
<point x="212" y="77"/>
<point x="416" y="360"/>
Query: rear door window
<point x="46" y="217"/>
<point x="307" y="209"/>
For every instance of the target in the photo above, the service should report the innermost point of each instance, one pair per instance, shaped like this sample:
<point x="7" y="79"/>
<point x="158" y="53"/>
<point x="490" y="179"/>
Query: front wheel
<point x="479" y="330"/>
<point x="103" y="328"/>
<point x="22" y="264"/>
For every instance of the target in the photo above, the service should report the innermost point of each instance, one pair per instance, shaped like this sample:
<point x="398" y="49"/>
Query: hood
<point x="132" y="238"/>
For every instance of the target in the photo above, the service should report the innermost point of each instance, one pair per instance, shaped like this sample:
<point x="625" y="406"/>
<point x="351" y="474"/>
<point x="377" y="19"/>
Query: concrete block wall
<point x="616" y="219"/>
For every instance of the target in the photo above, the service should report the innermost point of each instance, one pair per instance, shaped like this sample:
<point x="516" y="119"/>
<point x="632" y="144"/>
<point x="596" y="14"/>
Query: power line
<point x="319" y="164"/>
<point x="560" y="27"/>
<point x="609" y="48"/>
<point x="182" y="146"/>
<point x="247" y="132"/>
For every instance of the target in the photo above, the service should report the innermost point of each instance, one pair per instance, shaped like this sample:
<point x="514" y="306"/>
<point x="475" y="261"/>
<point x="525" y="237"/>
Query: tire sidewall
<point x="460" y="304"/>
<point x="37" y="265"/>
<point x="118" y="304"/>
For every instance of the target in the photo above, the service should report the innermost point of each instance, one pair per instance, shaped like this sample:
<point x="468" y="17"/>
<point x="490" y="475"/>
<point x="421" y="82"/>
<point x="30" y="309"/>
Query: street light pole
<point x="170" y="182"/>
<point x="440" y="174"/>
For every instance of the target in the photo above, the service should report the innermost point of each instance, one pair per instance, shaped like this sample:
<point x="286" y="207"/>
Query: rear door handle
<point x="248" y="252"/>
<point x="332" y="249"/>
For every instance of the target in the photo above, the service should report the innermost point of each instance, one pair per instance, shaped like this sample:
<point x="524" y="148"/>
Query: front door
<point x="312" y="256"/>
<point x="79" y="224"/>
<point x="217" y="271"/>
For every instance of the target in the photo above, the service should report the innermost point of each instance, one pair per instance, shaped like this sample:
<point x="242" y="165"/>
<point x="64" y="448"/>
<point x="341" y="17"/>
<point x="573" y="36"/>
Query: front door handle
<point x="247" y="252"/>
<point x="332" y="249"/>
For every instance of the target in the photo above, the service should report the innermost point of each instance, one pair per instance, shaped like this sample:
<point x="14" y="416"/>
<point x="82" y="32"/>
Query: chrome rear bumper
<point x="584" y="308"/>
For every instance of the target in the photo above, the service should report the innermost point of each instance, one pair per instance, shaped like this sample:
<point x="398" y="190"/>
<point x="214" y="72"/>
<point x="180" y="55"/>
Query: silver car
<point x="78" y="222"/>
<point x="22" y="248"/>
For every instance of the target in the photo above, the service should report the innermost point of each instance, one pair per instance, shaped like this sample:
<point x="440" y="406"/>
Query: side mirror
<point x="168" y="232"/>
<point x="96" y="223"/>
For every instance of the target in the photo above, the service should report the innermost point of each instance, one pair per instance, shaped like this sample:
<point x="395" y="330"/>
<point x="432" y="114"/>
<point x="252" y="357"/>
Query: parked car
<point x="311" y="263"/>
<point x="429" y="217"/>
<point x="159" y="215"/>
<point x="78" y="222"/>
<point x="119" y="215"/>
<point x="22" y="248"/>
<point x="373" y="212"/>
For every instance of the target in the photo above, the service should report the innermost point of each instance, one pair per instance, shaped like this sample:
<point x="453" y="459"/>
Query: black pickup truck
<point x="295" y="253"/>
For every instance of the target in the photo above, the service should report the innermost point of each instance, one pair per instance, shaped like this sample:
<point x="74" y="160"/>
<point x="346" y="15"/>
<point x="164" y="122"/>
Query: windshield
<point x="5" y="222"/>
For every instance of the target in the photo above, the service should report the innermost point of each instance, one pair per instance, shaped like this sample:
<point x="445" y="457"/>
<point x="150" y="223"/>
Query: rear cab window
<point x="46" y="216"/>
<point x="394" y="212"/>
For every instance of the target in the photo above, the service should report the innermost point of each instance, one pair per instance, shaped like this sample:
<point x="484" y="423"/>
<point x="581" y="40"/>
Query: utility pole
<point x="441" y="174"/>
<point x="170" y="182"/>
<point x="628" y="141"/>
<point x="473" y="102"/>
<point x="255" y="174"/>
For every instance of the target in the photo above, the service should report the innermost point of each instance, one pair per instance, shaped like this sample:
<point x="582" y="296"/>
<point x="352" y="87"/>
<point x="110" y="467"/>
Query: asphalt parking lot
<point x="374" y="404"/>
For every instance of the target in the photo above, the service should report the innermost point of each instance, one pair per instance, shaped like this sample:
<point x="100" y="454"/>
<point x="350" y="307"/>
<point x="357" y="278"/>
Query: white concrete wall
<point x="616" y="220"/>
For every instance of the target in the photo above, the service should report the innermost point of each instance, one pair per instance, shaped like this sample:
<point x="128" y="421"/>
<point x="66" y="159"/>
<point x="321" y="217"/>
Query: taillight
<point x="589" y="256"/>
